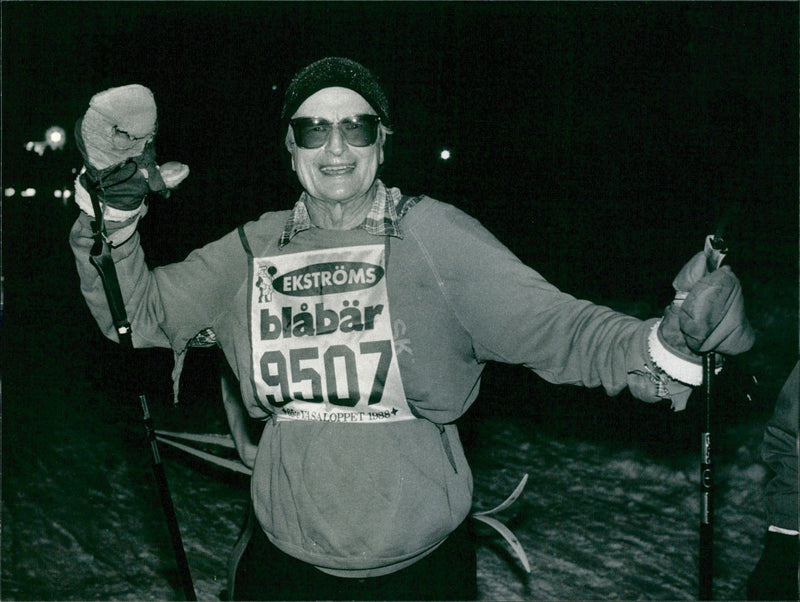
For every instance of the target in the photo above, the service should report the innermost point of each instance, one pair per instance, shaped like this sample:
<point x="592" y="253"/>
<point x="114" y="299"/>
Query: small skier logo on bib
<point x="266" y="274"/>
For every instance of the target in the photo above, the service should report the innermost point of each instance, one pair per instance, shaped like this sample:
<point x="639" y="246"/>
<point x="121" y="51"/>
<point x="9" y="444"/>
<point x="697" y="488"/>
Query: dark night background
<point x="607" y="131"/>
<point x="599" y="141"/>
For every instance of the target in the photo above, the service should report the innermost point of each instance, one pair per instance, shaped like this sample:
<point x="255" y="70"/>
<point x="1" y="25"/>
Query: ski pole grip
<point x="715" y="249"/>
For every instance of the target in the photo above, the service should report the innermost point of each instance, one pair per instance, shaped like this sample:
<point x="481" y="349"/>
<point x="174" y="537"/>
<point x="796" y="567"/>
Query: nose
<point x="336" y="144"/>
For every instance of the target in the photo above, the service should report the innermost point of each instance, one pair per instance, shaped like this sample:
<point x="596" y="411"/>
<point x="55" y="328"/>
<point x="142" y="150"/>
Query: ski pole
<point x="706" y="553"/>
<point x="715" y="253"/>
<point x="100" y="257"/>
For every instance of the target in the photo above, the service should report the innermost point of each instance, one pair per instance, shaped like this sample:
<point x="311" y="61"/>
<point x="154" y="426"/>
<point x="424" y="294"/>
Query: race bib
<point x="322" y="338"/>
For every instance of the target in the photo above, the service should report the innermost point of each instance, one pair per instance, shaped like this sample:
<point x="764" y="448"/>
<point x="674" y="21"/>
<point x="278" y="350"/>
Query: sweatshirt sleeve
<point x="780" y="453"/>
<point x="166" y="306"/>
<point x="515" y="316"/>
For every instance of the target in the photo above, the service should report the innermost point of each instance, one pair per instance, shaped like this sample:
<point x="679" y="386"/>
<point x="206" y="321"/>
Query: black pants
<point x="264" y="572"/>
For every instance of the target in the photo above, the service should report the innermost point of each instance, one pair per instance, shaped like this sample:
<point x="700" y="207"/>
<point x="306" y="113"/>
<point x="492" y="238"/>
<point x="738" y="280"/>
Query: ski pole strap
<point x="100" y="258"/>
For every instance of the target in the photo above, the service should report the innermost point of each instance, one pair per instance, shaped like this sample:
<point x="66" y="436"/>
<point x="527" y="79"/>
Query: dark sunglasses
<point x="313" y="132"/>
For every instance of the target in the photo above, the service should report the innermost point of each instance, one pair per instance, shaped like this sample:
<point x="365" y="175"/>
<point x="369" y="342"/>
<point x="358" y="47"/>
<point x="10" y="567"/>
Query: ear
<point x="381" y="142"/>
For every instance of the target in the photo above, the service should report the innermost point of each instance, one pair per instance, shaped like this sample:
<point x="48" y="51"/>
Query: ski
<point x="223" y="440"/>
<point x="508" y="501"/>
<point x="512" y="540"/>
<point x="508" y="536"/>
<point x="235" y="465"/>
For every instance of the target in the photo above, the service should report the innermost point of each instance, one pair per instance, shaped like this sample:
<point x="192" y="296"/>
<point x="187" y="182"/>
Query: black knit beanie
<point x="335" y="72"/>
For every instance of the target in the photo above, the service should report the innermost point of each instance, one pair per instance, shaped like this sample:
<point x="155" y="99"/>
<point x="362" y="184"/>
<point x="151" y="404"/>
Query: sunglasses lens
<point x="361" y="130"/>
<point x="310" y="133"/>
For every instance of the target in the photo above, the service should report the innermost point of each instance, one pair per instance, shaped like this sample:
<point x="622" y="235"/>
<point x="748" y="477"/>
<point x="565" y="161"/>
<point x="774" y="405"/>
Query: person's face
<point x="337" y="171"/>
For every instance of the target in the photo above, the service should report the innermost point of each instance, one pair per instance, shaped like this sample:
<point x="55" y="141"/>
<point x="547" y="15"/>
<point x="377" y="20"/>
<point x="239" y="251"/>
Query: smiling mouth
<point x="337" y="170"/>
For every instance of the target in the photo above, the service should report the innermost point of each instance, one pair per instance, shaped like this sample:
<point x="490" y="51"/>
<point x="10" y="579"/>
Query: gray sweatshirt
<point x="360" y="351"/>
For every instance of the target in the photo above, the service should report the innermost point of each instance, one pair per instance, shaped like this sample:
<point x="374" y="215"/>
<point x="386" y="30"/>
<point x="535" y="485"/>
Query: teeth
<point x="336" y="170"/>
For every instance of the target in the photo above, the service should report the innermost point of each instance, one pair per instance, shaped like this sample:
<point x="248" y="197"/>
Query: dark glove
<point x="712" y="316"/>
<point x="706" y="315"/>
<point x="125" y="185"/>
<point x="775" y="575"/>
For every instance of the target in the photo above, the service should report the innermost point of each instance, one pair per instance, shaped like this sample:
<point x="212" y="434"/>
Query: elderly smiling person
<point x="358" y="324"/>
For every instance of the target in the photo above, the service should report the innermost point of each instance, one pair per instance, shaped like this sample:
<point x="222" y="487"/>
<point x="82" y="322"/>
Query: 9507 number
<point x="306" y="376"/>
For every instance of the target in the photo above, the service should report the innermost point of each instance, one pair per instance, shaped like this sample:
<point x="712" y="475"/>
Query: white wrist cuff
<point x="676" y="367"/>
<point x="775" y="529"/>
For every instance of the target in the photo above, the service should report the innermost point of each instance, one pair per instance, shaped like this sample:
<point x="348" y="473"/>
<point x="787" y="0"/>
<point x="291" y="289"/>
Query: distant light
<point x="56" y="137"/>
<point x="37" y="147"/>
<point x="28" y="192"/>
<point x="9" y="192"/>
<point x="67" y="194"/>
<point x="274" y="87"/>
<point x="444" y="155"/>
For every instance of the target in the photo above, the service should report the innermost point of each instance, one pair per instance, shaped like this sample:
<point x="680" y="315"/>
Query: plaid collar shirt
<point x="382" y="219"/>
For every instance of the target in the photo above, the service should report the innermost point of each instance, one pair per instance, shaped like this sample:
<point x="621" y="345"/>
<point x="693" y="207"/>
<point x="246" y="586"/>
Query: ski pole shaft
<point x="706" y="552"/>
<point x="715" y="253"/>
<point x="100" y="258"/>
<point x="167" y="505"/>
